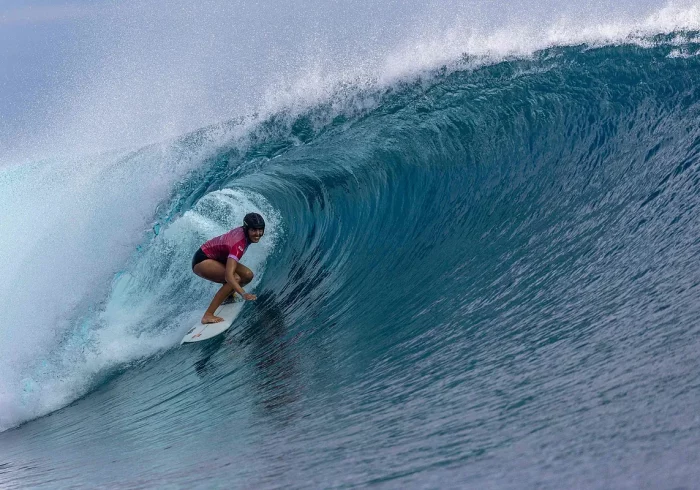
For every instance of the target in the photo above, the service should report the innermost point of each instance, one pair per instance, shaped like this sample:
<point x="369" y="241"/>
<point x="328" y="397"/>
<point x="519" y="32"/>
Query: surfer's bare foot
<point x="209" y="318"/>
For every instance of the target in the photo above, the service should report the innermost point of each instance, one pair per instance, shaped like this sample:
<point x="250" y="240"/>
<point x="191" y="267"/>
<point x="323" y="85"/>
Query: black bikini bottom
<point x="199" y="256"/>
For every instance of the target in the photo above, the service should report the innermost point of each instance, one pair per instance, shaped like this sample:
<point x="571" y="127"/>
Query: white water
<point x="142" y="72"/>
<point x="78" y="303"/>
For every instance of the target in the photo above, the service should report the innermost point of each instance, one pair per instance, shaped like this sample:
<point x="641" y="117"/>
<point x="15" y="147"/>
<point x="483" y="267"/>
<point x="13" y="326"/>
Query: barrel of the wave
<point x="218" y="261"/>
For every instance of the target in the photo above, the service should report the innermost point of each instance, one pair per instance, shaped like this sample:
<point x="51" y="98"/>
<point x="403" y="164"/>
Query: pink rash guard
<point x="232" y="244"/>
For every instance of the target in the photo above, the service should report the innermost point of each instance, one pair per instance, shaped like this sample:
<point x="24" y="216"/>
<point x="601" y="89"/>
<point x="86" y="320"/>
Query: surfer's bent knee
<point x="245" y="275"/>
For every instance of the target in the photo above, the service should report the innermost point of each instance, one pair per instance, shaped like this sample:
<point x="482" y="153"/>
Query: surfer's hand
<point x="249" y="297"/>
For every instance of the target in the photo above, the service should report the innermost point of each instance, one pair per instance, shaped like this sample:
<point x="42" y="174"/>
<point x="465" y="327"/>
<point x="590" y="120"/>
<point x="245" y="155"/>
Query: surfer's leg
<point x="224" y="291"/>
<point x="211" y="270"/>
<point x="214" y="271"/>
<point x="244" y="274"/>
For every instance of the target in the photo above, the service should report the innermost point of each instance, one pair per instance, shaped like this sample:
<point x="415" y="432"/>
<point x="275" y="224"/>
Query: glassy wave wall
<point x="485" y="276"/>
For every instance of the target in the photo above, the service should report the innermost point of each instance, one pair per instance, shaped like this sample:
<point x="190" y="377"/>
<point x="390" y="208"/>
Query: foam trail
<point x="494" y="267"/>
<point x="68" y="226"/>
<point x="143" y="313"/>
<point x="139" y="72"/>
<point x="521" y="40"/>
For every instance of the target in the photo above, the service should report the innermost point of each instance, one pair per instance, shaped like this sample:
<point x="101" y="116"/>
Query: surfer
<point x="218" y="260"/>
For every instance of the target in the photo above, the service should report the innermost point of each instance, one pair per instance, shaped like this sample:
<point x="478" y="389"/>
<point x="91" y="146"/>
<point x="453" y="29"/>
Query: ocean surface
<point x="481" y="275"/>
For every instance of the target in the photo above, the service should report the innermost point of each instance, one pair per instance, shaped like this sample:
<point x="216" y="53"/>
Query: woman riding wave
<point x="218" y="261"/>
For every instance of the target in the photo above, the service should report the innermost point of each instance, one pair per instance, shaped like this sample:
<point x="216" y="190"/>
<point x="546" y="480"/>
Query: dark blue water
<point x="485" y="278"/>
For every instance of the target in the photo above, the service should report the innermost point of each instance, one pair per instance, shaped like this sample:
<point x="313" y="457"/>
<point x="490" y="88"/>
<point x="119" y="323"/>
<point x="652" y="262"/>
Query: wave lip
<point x="481" y="261"/>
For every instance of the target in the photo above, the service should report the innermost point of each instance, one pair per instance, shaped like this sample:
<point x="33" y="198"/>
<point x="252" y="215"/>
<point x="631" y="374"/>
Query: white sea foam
<point x="446" y="47"/>
<point x="142" y="73"/>
<point x="72" y="304"/>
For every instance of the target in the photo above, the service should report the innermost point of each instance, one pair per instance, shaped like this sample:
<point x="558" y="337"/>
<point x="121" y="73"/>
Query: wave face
<point x="483" y="277"/>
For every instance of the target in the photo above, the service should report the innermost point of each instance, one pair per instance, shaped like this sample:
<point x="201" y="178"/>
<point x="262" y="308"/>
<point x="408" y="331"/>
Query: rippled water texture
<point x="485" y="278"/>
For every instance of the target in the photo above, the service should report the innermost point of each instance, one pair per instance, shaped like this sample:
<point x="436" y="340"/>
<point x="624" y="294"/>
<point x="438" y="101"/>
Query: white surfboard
<point x="201" y="331"/>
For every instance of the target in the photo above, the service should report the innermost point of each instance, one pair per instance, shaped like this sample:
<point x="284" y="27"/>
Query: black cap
<point x="254" y="221"/>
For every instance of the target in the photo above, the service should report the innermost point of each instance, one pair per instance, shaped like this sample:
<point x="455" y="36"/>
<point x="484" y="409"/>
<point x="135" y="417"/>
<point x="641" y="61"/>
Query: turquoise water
<point x="483" y="278"/>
